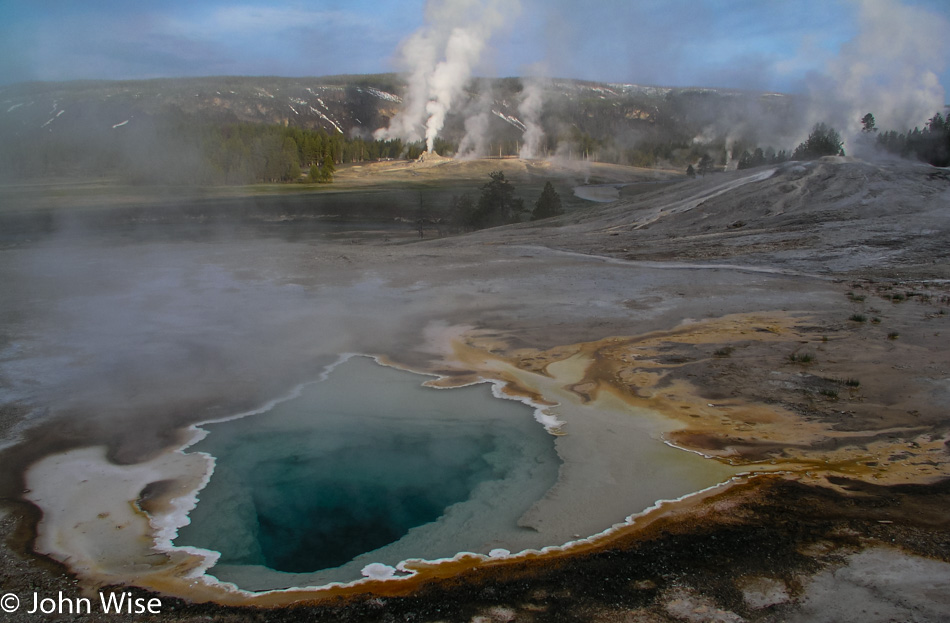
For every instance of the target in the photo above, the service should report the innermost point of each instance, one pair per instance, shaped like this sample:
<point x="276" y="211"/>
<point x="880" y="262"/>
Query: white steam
<point x="889" y="69"/>
<point x="441" y="57"/>
<point x="475" y="143"/>
<point x="530" y="110"/>
<point x="419" y="54"/>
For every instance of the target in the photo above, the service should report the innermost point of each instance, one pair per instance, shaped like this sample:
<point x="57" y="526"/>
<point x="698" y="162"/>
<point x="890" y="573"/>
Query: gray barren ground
<point x="790" y="321"/>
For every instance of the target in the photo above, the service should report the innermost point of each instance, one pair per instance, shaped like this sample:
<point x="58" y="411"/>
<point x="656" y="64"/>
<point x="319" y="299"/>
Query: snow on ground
<point x="383" y="95"/>
<point x="327" y="119"/>
<point x="54" y="118"/>
<point x="512" y="120"/>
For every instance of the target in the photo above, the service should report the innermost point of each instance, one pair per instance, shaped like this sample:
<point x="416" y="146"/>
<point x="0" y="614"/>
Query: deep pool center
<point x="366" y="468"/>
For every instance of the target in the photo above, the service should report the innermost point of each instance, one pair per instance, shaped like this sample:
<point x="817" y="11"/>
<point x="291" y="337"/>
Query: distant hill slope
<point x="622" y="123"/>
<point x="834" y="215"/>
<point x="337" y="104"/>
<point x="349" y="103"/>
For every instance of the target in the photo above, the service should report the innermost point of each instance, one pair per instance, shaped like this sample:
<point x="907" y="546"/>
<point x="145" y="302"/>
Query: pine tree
<point x="548" y="204"/>
<point x="823" y="141"/>
<point x="745" y="161"/>
<point x="705" y="165"/>
<point x="497" y="204"/>
<point x="327" y="168"/>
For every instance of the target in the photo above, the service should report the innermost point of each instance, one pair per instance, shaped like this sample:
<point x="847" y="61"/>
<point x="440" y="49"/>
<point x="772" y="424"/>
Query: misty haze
<point x="476" y="310"/>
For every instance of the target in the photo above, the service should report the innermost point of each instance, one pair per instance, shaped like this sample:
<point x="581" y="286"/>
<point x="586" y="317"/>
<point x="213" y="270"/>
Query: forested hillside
<point x="238" y="130"/>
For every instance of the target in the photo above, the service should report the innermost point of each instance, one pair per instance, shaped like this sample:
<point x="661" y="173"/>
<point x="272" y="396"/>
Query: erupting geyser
<point x="440" y="58"/>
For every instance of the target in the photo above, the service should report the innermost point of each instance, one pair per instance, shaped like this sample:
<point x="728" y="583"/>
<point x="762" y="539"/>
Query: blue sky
<point x="756" y="44"/>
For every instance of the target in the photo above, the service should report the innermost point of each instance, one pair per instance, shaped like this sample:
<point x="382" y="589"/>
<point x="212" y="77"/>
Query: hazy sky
<point x="756" y="44"/>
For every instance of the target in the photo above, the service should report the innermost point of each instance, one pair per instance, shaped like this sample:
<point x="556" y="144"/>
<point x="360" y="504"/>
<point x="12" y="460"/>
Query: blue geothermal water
<point x="340" y="475"/>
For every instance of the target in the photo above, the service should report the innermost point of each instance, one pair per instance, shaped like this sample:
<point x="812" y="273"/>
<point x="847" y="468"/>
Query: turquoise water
<point x="367" y="466"/>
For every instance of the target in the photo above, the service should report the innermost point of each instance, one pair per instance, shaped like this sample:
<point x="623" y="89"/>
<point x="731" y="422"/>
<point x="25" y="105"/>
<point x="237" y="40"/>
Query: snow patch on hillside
<point x="54" y="118"/>
<point x="327" y="119"/>
<point x="383" y="95"/>
<point x="508" y="118"/>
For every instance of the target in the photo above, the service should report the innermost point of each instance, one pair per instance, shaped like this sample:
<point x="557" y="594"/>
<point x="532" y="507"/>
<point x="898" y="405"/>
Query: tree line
<point x="187" y="150"/>
<point x="930" y="144"/>
<point x="497" y="205"/>
<point x="246" y="153"/>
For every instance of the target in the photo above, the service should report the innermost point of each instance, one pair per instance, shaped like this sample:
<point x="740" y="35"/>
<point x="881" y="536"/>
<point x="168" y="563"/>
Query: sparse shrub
<point x="852" y="383"/>
<point x="830" y="393"/>
<point x="858" y="318"/>
<point x="723" y="352"/>
<point x="893" y="335"/>
<point x="801" y="358"/>
<point x="875" y="320"/>
<point x="897" y="297"/>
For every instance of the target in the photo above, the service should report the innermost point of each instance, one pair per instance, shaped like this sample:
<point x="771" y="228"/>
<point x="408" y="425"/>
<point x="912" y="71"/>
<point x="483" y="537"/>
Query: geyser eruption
<point x="889" y="68"/>
<point x="530" y="110"/>
<point x="440" y="58"/>
<point x="477" y="121"/>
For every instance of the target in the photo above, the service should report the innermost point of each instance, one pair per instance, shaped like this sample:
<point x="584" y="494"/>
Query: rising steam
<point x="530" y="110"/>
<point x="477" y="121"/>
<point x="440" y="58"/>
<point x="890" y="69"/>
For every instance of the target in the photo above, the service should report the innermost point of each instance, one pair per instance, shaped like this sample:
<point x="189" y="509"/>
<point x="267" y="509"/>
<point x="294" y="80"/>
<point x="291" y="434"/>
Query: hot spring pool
<point x="368" y="466"/>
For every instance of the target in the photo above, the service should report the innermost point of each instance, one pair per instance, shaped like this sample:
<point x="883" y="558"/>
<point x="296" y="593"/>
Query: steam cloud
<point x="441" y="57"/>
<point x="889" y="69"/>
<point x="477" y="122"/>
<point x="530" y="110"/>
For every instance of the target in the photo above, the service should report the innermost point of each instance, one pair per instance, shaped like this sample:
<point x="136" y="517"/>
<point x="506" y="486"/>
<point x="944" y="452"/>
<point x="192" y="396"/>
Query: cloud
<point x="891" y="67"/>
<point x="666" y="42"/>
<point x="114" y="40"/>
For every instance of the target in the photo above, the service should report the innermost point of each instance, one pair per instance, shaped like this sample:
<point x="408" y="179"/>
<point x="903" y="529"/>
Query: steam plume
<point x="441" y="57"/>
<point x="890" y="69"/>
<point x="477" y="121"/>
<point x="530" y="110"/>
